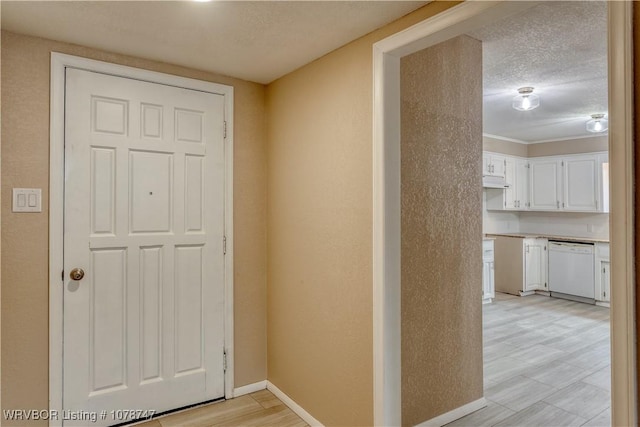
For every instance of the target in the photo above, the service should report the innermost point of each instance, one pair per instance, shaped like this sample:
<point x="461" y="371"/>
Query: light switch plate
<point x="27" y="200"/>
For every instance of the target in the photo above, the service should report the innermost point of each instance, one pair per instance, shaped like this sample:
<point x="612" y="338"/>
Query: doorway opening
<point x="387" y="55"/>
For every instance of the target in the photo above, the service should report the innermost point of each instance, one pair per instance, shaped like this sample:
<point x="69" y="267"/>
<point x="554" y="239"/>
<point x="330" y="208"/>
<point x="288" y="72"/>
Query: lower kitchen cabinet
<point x="488" y="271"/>
<point x="521" y="265"/>
<point x="535" y="265"/>
<point x="602" y="275"/>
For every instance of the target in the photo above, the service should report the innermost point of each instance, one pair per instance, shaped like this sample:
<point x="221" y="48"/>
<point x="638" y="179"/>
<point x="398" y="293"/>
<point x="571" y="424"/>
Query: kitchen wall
<point x="497" y="221"/>
<point x="503" y="146"/>
<point x="441" y="111"/>
<point x="593" y="225"/>
<point x="25" y="163"/>
<point x="320" y="324"/>
<point x="569" y="146"/>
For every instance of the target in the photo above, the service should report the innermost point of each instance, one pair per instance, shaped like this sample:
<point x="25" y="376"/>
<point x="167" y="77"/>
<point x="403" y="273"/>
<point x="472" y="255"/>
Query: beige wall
<point x="320" y="324"/>
<point x="506" y="147"/>
<point x="441" y="219"/>
<point x="25" y="160"/>
<point x="556" y="148"/>
<point x="570" y="146"/>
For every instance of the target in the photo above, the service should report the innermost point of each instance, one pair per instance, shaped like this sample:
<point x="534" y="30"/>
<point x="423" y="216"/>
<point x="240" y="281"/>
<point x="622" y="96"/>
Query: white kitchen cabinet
<point x="535" y="265"/>
<point x="521" y="265"/>
<point x="603" y="188"/>
<point x="545" y="189"/>
<point x="510" y="198"/>
<point x="580" y="183"/>
<point x="571" y="183"/>
<point x="488" y="271"/>
<point x="493" y="164"/>
<point x="516" y="196"/>
<point x="522" y="184"/>
<point x="603" y="275"/>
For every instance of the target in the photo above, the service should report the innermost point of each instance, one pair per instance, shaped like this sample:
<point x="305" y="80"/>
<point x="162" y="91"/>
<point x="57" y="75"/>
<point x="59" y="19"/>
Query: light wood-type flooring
<point x="261" y="408"/>
<point x="546" y="364"/>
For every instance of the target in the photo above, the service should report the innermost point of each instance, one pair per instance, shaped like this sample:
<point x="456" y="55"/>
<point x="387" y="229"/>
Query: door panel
<point x="144" y="204"/>
<point x="581" y="183"/>
<point x="545" y="190"/>
<point x="511" y="179"/>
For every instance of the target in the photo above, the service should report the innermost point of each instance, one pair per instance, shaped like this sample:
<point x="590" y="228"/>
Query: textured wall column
<point x="441" y="229"/>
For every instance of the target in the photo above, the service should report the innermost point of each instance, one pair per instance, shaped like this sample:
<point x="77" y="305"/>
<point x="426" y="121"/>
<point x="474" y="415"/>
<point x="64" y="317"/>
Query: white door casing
<point x="146" y="230"/>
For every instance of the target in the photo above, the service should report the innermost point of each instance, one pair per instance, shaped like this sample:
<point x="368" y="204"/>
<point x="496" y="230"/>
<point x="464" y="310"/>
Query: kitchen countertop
<point x="549" y="236"/>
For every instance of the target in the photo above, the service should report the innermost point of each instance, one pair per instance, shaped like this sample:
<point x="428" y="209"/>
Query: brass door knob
<point x="76" y="274"/>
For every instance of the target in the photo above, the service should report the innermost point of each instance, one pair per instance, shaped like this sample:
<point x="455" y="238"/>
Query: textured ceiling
<point x="560" y="48"/>
<point x="258" y="41"/>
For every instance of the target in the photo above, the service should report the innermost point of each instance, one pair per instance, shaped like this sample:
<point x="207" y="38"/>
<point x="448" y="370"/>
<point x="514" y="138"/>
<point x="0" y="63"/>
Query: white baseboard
<point x="307" y="417"/>
<point x="249" y="388"/>
<point x="455" y="414"/>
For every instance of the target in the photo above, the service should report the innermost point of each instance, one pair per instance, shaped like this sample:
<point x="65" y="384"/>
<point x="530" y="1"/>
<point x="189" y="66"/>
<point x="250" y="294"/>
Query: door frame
<point x="386" y="199"/>
<point x="59" y="63"/>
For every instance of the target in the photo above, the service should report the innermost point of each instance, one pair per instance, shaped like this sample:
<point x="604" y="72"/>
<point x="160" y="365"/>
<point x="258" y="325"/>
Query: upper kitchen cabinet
<point x="580" y="179"/>
<point x="545" y="191"/>
<point x="571" y="183"/>
<point x="603" y="170"/>
<point x="493" y="164"/>
<point x="516" y="195"/>
<point x="522" y="184"/>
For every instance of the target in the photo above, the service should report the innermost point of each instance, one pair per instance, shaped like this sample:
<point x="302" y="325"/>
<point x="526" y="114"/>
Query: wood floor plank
<point x="261" y="408"/>
<point x="217" y="413"/>
<point x="519" y="392"/>
<point x="488" y="416"/>
<point x="603" y="419"/>
<point x="582" y="399"/>
<point x="542" y="414"/>
<point x="266" y="399"/>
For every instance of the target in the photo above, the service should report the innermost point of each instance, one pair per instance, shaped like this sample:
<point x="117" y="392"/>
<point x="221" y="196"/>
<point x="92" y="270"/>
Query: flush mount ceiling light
<point x="597" y="123"/>
<point x="525" y="100"/>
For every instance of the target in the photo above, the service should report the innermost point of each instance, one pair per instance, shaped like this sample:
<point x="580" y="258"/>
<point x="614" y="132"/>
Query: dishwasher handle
<point x="581" y="248"/>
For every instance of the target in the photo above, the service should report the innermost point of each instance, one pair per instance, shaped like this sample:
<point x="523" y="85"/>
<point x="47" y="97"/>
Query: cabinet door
<point x="580" y="183"/>
<point x="491" y="285"/>
<point x="605" y="277"/>
<point x="498" y="165"/>
<point x="488" y="280"/>
<point x="603" y="185"/>
<point x="535" y="264"/>
<point x="510" y="193"/>
<point x="486" y="164"/>
<point x="522" y="184"/>
<point x="545" y="188"/>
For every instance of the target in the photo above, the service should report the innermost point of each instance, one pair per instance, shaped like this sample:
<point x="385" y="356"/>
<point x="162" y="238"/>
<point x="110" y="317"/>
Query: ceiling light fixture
<point x="525" y="100"/>
<point x="597" y="123"/>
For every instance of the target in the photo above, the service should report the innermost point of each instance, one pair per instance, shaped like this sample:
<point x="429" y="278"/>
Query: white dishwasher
<point x="572" y="271"/>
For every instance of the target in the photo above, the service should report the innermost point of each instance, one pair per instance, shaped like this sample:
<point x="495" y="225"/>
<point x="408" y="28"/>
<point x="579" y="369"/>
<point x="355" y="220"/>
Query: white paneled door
<point x="144" y="205"/>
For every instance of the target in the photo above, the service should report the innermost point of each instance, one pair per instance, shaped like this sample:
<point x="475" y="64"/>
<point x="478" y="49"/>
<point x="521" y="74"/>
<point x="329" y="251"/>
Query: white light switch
<point x="27" y="200"/>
